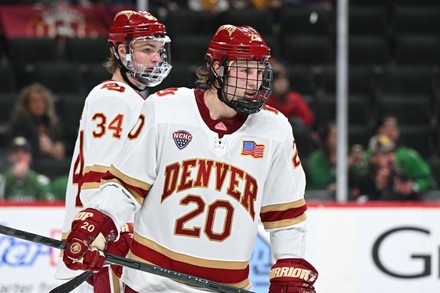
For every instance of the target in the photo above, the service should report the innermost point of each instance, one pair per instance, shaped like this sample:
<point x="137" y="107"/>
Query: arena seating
<point x="394" y="59"/>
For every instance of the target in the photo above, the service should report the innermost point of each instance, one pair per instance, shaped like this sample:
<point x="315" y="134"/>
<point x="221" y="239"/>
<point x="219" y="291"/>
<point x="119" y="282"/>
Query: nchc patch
<point x="182" y="138"/>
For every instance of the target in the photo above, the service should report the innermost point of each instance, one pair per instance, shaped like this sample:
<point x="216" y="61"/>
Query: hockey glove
<point x="292" y="275"/>
<point x="122" y="246"/>
<point x="91" y="230"/>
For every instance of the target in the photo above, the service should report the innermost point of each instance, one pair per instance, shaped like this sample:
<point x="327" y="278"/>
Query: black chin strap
<point x="127" y="80"/>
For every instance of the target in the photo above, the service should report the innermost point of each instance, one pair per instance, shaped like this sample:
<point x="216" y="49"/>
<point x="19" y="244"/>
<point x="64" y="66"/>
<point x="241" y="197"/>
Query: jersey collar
<point x="221" y="127"/>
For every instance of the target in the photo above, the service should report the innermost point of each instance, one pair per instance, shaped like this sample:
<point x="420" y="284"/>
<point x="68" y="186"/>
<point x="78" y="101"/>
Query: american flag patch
<point x="250" y="148"/>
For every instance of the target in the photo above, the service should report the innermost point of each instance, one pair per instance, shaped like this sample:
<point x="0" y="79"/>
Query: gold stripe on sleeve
<point x="283" y="206"/>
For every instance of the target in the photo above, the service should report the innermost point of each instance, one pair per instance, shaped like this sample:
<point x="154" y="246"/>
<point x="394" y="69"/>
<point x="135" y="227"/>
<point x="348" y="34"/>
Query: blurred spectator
<point x="214" y="6"/>
<point x="20" y="182"/>
<point x="59" y="186"/>
<point x="389" y="127"/>
<point x="391" y="173"/>
<point x="258" y="4"/>
<point x="35" y="119"/>
<point x="321" y="165"/>
<point x="357" y="164"/>
<point x="288" y="101"/>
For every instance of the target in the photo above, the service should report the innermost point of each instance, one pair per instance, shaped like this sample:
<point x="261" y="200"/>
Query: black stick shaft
<point x="126" y="262"/>
<point x="72" y="284"/>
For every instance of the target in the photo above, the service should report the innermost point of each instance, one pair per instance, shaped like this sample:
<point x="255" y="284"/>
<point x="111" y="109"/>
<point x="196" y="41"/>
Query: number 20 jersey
<point x="198" y="196"/>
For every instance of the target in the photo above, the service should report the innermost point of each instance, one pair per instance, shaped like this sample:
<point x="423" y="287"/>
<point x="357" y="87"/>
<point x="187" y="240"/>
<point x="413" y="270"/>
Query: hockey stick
<point x="72" y="284"/>
<point x="126" y="262"/>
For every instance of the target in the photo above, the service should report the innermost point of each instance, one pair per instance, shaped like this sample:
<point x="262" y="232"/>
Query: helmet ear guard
<point x="221" y="71"/>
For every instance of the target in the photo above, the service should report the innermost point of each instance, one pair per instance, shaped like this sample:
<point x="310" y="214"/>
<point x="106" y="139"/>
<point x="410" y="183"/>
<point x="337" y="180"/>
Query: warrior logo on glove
<point x="292" y="275"/>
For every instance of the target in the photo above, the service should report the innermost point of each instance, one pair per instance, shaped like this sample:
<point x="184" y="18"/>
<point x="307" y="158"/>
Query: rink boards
<point x="357" y="248"/>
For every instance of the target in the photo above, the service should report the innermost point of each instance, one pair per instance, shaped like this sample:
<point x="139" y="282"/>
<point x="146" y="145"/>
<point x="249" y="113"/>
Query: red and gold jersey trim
<point x="129" y="180"/>
<point x="284" y="223"/>
<point x="137" y="189"/>
<point x="96" y="169"/>
<point x="234" y="273"/>
<point x="283" y="206"/>
<point x="283" y="215"/>
<point x="92" y="176"/>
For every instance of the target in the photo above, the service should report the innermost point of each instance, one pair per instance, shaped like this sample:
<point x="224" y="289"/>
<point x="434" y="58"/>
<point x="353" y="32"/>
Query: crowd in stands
<point x="394" y="136"/>
<point x="35" y="137"/>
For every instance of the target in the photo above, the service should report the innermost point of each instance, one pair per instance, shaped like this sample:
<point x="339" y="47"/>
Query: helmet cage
<point x="228" y="85"/>
<point x="236" y="47"/>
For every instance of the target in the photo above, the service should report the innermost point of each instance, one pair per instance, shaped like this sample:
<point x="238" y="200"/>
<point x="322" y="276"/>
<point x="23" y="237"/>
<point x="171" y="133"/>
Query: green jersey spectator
<point x="394" y="173"/>
<point x="20" y="182"/>
<point x="59" y="185"/>
<point x="321" y="164"/>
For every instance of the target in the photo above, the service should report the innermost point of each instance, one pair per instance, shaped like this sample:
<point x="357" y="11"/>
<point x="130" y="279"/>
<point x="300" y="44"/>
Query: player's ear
<point x="121" y="51"/>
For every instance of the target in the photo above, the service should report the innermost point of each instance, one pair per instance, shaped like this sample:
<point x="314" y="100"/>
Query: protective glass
<point x="149" y="60"/>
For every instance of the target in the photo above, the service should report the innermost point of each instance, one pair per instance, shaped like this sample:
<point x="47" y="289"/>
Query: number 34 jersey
<point x="111" y="110"/>
<point x="199" y="195"/>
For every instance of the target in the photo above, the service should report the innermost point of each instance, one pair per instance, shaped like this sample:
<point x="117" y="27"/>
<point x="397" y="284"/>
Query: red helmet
<point x="134" y="24"/>
<point x="237" y="42"/>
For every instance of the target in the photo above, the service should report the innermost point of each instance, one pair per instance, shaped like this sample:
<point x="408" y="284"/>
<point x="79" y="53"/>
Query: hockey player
<point x="206" y="164"/>
<point x="138" y="59"/>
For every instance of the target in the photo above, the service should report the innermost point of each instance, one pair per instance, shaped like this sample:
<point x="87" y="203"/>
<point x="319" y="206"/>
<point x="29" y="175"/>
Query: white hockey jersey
<point x="111" y="110"/>
<point x="199" y="195"/>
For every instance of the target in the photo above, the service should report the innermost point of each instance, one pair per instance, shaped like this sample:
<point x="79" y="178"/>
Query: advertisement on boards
<point x="375" y="248"/>
<point x="356" y="249"/>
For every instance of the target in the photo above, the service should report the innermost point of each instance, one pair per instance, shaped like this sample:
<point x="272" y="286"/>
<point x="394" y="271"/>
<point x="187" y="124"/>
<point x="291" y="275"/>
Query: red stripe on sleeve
<point x="283" y="215"/>
<point x="93" y="176"/>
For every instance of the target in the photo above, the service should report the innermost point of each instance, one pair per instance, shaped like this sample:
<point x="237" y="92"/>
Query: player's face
<point x="244" y="79"/>
<point x="146" y="54"/>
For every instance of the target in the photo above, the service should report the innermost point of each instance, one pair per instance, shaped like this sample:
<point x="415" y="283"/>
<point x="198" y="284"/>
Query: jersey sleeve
<point x="283" y="208"/>
<point x="283" y="200"/>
